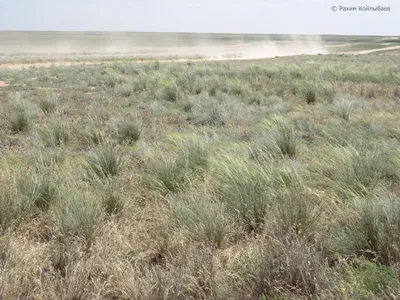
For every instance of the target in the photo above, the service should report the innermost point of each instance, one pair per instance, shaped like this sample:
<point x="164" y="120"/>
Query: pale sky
<point x="229" y="16"/>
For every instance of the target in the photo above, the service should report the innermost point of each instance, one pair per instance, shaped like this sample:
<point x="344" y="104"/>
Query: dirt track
<point x="373" y="50"/>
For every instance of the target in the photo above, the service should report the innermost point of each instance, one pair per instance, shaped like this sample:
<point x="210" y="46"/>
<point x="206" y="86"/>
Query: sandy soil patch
<point x="245" y="51"/>
<point x="338" y="45"/>
<point x="3" y="84"/>
<point x="374" y="50"/>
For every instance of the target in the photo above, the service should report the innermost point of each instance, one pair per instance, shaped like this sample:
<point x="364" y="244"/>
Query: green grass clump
<point x="360" y="171"/>
<point x="287" y="140"/>
<point x="40" y="189"/>
<point x="311" y="96"/>
<point x="112" y="79"/>
<point x="306" y="127"/>
<point x="111" y="197"/>
<point x="27" y="194"/>
<point x="21" y="114"/>
<point x="55" y="134"/>
<point x="294" y="212"/>
<point x="203" y="216"/>
<point x="20" y="121"/>
<point x="166" y="172"/>
<point x="128" y="130"/>
<point x="369" y="279"/>
<point x="76" y="214"/>
<point x="245" y="187"/>
<point x="48" y="102"/>
<point x="169" y="171"/>
<point x="94" y="132"/>
<point x="105" y="162"/>
<point x="373" y="233"/>
<point x="14" y="208"/>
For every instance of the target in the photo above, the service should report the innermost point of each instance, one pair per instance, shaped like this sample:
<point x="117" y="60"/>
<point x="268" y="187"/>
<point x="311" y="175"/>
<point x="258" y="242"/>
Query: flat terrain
<point x="126" y="176"/>
<point x="43" y="49"/>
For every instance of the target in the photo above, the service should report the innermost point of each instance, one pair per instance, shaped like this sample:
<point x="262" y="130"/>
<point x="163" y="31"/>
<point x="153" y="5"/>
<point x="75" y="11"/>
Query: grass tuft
<point x="55" y="134"/>
<point x="105" y="162"/>
<point x="48" y="103"/>
<point x="286" y="140"/>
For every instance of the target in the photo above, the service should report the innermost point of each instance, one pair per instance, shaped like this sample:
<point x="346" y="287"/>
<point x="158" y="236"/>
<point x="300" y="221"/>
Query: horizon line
<point x="189" y="32"/>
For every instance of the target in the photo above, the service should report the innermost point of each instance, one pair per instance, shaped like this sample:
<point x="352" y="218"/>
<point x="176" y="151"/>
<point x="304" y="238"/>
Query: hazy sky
<point x="240" y="16"/>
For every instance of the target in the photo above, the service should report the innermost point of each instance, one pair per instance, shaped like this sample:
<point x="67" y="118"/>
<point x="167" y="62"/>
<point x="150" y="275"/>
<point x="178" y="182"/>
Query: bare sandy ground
<point x="245" y="51"/>
<point x="239" y="51"/>
<point x="338" y="45"/>
<point x="3" y="84"/>
<point x="374" y="50"/>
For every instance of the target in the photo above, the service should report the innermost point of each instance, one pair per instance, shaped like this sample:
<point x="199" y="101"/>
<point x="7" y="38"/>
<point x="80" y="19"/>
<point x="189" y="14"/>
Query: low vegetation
<point x="202" y="180"/>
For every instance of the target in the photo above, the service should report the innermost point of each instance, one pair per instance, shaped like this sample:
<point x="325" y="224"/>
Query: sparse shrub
<point x="238" y="88"/>
<point x="311" y="95"/>
<point x="213" y="90"/>
<point x="105" y="162"/>
<point x="55" y="134"/>
<point x="286" y="140"/>
<point x="170" y="93"/>
<point x="139" y="84"/>
<point x="112" y="79"/>
<point x="48" y="102"/>
<point x="125" y="90"/>
<point x="188" y="105"/>
<point x="156" y="65"/>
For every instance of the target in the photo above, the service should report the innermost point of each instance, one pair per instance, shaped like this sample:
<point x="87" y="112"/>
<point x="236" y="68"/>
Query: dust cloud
<point x="209" y="46"/>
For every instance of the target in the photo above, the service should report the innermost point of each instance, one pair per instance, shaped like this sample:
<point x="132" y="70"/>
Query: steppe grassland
<point x="267" y="179"/>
